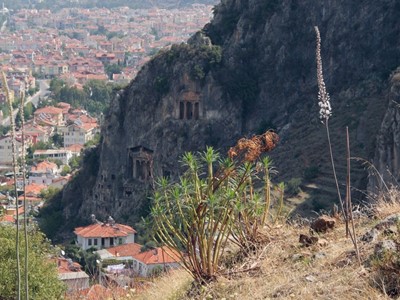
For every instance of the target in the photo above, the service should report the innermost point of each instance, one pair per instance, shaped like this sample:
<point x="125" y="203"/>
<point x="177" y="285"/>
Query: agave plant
<point x="205" y="209"/>
<point x="191" y="215"/>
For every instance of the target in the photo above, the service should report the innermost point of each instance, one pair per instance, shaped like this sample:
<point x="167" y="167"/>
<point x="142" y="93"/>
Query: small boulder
<point x="306" y="240"/>
<point x="385" y="246"/>
<point x="389" y="223"/>
<point x="370" y="236"/>
<point x="310" y="278"/>
<point x="322" y="242"/>
<point x="323" y="224"/>
<point x="319" y="255"/>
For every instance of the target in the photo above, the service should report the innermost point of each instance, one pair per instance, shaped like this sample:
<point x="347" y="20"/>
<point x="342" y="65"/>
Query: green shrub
<point x="43" y="280"/>
<point x="293" y="186"/>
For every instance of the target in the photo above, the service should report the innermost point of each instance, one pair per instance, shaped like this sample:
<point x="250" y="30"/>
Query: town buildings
<point x="117" y="242"/>
<point x="71" y="274"/>
<point x="104" y="235"/>
<point x="6" y="149"/>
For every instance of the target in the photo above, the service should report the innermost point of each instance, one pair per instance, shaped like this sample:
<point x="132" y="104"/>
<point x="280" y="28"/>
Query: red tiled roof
<point x="104" y="230"/>
<point x="99" y="292"/>
<point x="49" y="110"/>
<point x="34" y="188"/>
<point x="63" y="105"/>
<point x="7" y="218"/>
<point x="130" y="249"/>
<point x="161" y="255"/>
<point x="74" y="148"/>
<point x="63" y="266"/>
<point x="43" y="166"/>
<point x="32" y="199"/>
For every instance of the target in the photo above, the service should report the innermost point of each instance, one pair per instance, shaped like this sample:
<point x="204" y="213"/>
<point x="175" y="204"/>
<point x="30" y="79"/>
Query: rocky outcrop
<point x="385" y="171"/>
<point x="252" y="68"/>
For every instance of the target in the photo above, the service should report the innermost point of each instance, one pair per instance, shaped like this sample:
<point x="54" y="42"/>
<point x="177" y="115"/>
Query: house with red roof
<point x="162" y="258"/>
<point x="48" y="116"/>
<point x="79" y="132"/>
<point x="65" y="108"/>
<point x="43" y="173"/>
<point x="121" y="252"/>
<point x="101" y="235"/>
<point x="37" y="133"/>
<point x="99" y="292"/>
<point x="10" y="214"/>
<point x="72" y="275"/>
<point x="32" y="194"/>
<point x="144" y="263"/>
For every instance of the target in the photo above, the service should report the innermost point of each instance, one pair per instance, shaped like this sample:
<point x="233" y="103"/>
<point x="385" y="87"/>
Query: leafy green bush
<point x="43" y="280"/>
<point x="65" y="170"/>
<point x="293" y="186"/>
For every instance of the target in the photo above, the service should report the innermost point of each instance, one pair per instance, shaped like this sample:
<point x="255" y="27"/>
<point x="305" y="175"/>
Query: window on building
<point x="95" y="242"/>
<point x="111" y="241"/>
<point x="120" y="241"/>
<point x="90" y="242"/>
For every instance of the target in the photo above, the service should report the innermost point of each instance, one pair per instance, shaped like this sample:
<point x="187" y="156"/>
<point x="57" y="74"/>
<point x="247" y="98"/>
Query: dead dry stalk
<point x="349" y="205"/>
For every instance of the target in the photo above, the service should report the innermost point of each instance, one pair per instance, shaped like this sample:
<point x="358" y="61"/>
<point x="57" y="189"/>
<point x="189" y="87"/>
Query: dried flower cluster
<point x="323" y="96"/>
<point x="251" y="149"/>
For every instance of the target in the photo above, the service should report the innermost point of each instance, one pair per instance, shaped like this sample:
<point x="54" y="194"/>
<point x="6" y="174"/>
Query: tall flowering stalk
<point x="14" y="159"/>
<point x="326" y="111"/>
<point x="323" y="96"/>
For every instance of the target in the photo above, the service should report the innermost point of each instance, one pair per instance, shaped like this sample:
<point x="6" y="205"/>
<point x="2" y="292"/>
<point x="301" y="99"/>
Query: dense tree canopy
<point x="95" y="96"/>
<point x="43" y="280"/>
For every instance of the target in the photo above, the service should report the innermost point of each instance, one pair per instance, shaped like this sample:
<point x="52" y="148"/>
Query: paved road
<point x="43" y="91"/>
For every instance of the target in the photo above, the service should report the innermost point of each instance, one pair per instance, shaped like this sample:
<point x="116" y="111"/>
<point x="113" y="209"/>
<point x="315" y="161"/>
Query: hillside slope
<point x="252" y="68"/>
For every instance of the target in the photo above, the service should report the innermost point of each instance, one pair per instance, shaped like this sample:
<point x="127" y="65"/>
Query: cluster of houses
<point x="75" y="127"/>
<point x="18" y="80"/>
<point x="116" y="243"/>
<point x="76" y="44"/>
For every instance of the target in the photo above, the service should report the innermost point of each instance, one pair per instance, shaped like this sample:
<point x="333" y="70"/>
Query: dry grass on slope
<point x="327" y="270"/>
<point x="289" y="271"/>
<point x="168" y="287"/>
<point x="284" y="269"/>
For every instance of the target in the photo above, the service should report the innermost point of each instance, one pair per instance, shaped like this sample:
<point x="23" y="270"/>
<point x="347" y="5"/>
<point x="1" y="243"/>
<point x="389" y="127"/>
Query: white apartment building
<point x="79" y="134"/>
<point x="6" y="156"/>
<point x="62" y="154"/>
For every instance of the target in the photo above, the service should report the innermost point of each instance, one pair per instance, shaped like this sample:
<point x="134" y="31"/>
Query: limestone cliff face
<point x="173" y="106"/>
<point x="386" y="162"/>
<point x="252" y="68"/>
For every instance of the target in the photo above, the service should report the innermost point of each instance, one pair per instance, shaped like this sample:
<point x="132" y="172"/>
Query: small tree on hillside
<point x="43" y="280"/>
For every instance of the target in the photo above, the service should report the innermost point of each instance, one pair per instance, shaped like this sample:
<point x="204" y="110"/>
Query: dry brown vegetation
<point x="284" y="269"/>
